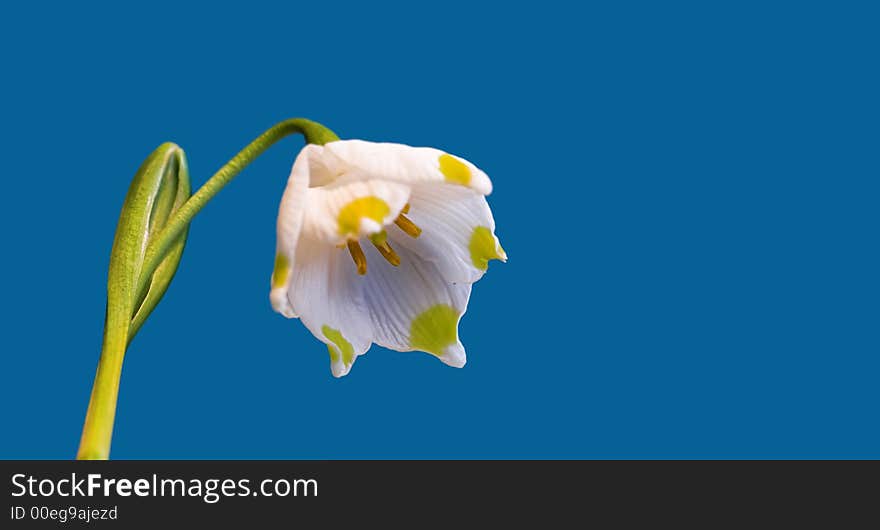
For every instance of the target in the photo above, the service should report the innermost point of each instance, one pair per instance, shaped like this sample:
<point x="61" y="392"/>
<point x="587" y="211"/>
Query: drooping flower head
<point x="380" y="243"/>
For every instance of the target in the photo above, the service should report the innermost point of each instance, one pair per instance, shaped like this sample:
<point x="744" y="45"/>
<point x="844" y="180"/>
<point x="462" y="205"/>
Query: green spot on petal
<point x="281" y="270"/>
<point x="334" y="355"/>
<point x="454" y="170"/>
<point x="482" y="248"/>
<point x="342" y="345"/>
<point x="435" y="329"/>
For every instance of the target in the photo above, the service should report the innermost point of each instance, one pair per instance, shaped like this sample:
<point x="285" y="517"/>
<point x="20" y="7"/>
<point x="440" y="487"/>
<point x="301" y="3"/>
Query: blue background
<point x="688" y="195"/>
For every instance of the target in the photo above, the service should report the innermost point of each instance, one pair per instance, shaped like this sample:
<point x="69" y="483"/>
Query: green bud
<point x="159" y="188"/>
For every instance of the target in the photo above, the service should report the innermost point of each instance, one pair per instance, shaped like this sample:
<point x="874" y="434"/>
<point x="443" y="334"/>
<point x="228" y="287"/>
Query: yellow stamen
<point x="407" y="226"/>
<point x="387" y="252"/>
<point x="405" y="208"/>
<point x="379" y="237"/>
<point x="357" y="254"/>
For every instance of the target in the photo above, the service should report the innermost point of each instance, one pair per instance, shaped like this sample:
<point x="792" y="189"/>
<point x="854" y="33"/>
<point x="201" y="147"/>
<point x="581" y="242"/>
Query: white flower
<point x="380" y="242"/>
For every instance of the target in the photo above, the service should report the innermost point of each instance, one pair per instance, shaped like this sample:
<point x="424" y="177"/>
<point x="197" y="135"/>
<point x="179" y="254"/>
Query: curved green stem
<point x="122" y="322"/>
<point x="314" y="132"/>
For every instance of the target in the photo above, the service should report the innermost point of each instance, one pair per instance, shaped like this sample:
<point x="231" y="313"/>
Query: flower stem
<point x="315" y="133"/>
<point x="98" y="427"/>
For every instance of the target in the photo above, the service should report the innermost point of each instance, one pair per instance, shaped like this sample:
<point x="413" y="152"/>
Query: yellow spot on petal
<point x="351" y="214"/>
<point x="455" y="170"/>
<point x="342" y="345"/>
<point x="435" y="329"/>
<point x="482" y="247"/>
<point x="281" y="270"/>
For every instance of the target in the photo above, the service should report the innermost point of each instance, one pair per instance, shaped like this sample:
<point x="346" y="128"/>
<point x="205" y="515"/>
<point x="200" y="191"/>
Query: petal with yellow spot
<point x="455" y="170"/>
<point x="369" y="207"/>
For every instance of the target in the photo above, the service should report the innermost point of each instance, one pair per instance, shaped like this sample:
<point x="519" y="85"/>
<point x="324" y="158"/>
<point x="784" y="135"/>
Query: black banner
<point x="549" y="493"/>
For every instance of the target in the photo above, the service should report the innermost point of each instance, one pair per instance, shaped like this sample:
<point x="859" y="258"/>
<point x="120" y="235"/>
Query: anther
<point x="388" y="253"/>
<point x="407" y="226"/>
<point x="380" y="241"/>
<point x="357" y="254"/>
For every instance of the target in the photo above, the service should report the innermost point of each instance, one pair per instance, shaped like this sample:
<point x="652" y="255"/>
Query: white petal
<point x="359" y="159"/>
<point x="321" y="168"/>
<point x="413" y="308"/>
<point x="339" y="212"/>
<point x="457" y="231"/>
<point x="325" y="292"/>
<point x="289" y="226"/>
